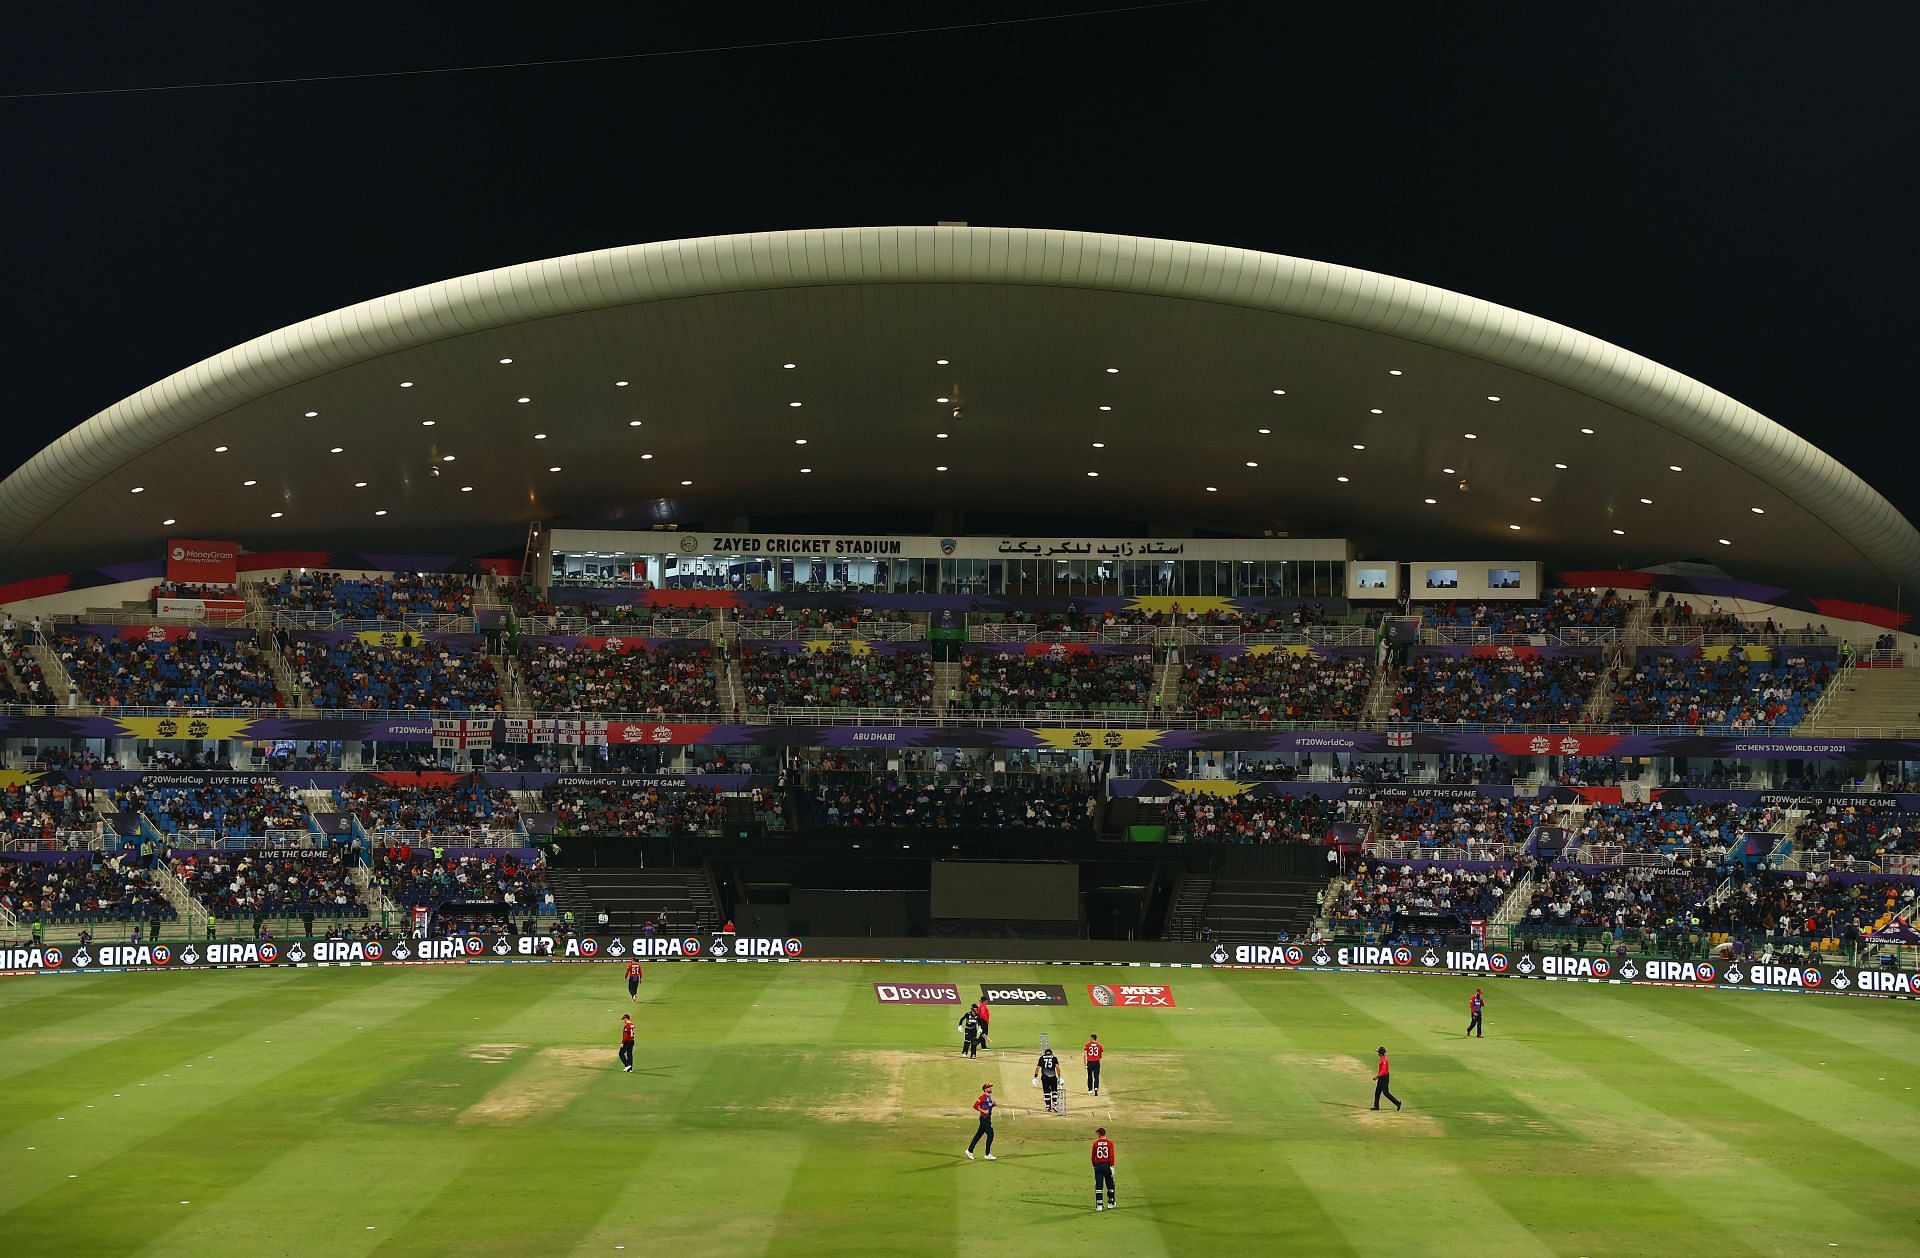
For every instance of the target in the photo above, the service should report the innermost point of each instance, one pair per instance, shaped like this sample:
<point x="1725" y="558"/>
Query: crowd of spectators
<point x="1807" y="910"/>
<point x="1276" y="686"/>
<point x="614" y="809"/>
<point x="1391" y="897"/>
<point x="185" y="672"/>
<point x="36" y="811"/>
<point x="1718" y="694"/>
<point x="1461" y="822"/>
<point x="412" y="876"/>
<point x="465" y="806"/>
<point x="638" y="680"/>
<point x="23" y="680"/>
<point x="403" y="596"/>
<point x="1662" y="827"/>
<point x="101" y="888"/>
<point x="945" y="803"/>
<point x="408" y="676"/>
<point x="1567" y="613"/>
<point x="1461" y="769"/>
<point x="1620" y="901"/>
<point x="1534" y="691"/>
<point x="1848" y="830"/>
<point x="261" y="883"/>
<point x="842" y="675"/>
<point x="1210" y="818"/>
<point x="241" y="810"/>
<point x="1062" y="680"/>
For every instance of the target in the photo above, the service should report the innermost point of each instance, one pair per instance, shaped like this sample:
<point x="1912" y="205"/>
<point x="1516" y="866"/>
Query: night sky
<point x="1729" y="191"/>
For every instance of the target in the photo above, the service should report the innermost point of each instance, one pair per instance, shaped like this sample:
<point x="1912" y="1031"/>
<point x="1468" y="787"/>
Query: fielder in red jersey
<point x="1102" y="1167"/>
<point x="1093" y="1052"/>
<point x="626" y="1042"/>
<point x="633" y="980"/>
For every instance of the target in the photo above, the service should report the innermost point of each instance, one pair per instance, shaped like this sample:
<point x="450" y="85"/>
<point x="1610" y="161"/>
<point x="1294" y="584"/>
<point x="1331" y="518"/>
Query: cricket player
<point x="970" y="1027"/>
<point x="986" y="1018"/>
<point x="1474" y="1007"/>
<point x="1102" y="1167"/>
<point x="1380" y="1081"/>
<point x="984" y="1108"/>
<point x="1046" y="1073"/>
<point x="626" y="1042"/>
<point x="633" y="980"/>
<point x="1092" y="1053"/>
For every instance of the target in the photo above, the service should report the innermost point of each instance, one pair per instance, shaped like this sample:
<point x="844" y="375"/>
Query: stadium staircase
<point x="1189" y="908"/>
<point x="282" y="671"/>
<point x="946" y="678"/>
<point x="193" y="914"/>
<point x="633" y="895"/>
<point x="730" y="687"/>
<point x="1257" y="909"/>
<point x="1514" y="907"/>
<point x="1878" y="690"/>
<point x="1167" y="698"/>
<point x="59" y="685"/>
<point x="1380" y="696"/>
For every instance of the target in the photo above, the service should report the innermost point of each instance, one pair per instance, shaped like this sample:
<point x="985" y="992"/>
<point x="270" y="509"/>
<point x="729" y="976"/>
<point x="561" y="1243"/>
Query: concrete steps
<point x="1874" y="698"/>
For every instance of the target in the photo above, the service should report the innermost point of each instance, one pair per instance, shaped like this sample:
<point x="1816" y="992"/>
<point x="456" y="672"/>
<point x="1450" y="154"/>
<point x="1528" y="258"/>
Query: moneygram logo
<point x="1023" y="994"/>
<point x="906" y="994"/>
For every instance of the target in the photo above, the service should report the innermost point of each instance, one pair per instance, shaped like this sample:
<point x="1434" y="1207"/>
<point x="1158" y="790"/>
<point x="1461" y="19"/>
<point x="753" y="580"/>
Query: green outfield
<point x="780" y="1109"/>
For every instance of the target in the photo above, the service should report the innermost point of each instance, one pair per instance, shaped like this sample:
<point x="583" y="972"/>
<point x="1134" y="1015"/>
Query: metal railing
<point x="1568" y="635"/>
<point x="1401" y="850"/>
<point x="785" y="630"/>
<point x="587" y="627"/>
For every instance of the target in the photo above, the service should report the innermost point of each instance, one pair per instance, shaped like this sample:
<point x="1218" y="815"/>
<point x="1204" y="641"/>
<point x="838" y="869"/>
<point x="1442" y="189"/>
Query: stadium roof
<point x="1419" y="422"/>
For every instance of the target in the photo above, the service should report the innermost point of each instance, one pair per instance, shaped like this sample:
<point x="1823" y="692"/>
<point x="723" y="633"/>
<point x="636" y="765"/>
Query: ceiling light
<point x="1430" y="501"/>
<point x="1534" y="499"/>
<point x="1106" y="408"/>
<point x="446" y="458"/>
<point x="337" y="450"/>
<point x="1646" y="502"/>
<point x="1561" y="466"/>
<point x="167" y="522"/>
<point x="553" y="469"/>
<point x="523" y="400"/>
<point x="382" y="511"/>
<point x="1251" y="463"/>
<point x="1514" y="527"/>
<point x="634" y="423"/>
<point x="1393" y="371"/>
<point x="1376" y="411"/>
<point x="219" y="449"/>
<point x="276" y="515"/>
<point x="646" y="456"/>
<point x="942" y="399"/>
<point x="620" y="384"/>
<point x="788" y="366"/>
<point x="686" y="482"/>
<point x="1471" y="436"/>
<point x="799" y="441"/>
<point x="941" y="468"/>
<point x="138" y="489"/>
<point x="1586" y="432"/>
<point x="1358" y="446"/>
<point x="406" y="384"/>
<point x="1755" y="510"/>
<point x="1725" y="542"/>
<point x="313" y="414"/>
<point x="939" y="362"/>
<point x="1213" y="489"/>
<point x="1265" y="432"/>
<point x="793" y="404"/>
<point x="248" y="484"/>
<point x="1673" y="467"/>
<point x="426" y="423"/>
<point x="1492" y="397"/>
<point x="1113" y="371"/>
<point x="1447" y="470"/>
<point x="941" y="435"/>
<point x="1099" y="445"/>
<point x="1341" y="479"/>
<point x="539" y="436"/>
<point x="1093" y="473"/>
<point x="359" y="484"/>
<point x="1279" y="393"/>
<point x="805" y="470"/>
<point x="466" y="489"/>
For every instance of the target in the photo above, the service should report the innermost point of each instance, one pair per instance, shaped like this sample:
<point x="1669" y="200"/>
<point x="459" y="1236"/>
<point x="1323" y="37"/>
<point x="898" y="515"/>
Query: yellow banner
<point x="1098" y="739"/>
<point x="18" y="777"/>
<point x="1199" y="604"/>
<point x="1299" y="650"/>
<point x="1210" y="786"/>
<point x="820" y="646"/>
<point x="185" y="725"/>
<point x="388" y="637"/>
<point x="1753" y="654"/>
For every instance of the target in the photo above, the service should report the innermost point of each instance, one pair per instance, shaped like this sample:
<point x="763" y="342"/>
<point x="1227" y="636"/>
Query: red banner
<point x="202" y="563"/>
